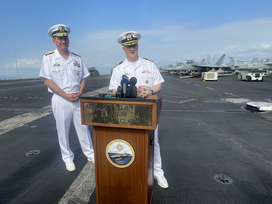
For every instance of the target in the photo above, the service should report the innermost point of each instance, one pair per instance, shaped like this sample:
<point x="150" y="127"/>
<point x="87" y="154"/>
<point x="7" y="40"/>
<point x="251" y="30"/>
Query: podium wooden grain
<point x="133" y="184"/>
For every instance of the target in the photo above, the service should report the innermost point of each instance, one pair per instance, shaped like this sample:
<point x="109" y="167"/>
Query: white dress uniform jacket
<point x="147" y="75"/>
<point x="146" y="72"/>
<point x="67" y="74"/>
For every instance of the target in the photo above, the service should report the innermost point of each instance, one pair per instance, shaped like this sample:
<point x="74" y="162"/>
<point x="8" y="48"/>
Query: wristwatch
<point x="152" y="92"/>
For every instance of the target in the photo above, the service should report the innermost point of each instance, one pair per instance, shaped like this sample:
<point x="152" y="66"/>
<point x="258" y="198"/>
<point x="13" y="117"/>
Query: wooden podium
<point x="123" y="135"/>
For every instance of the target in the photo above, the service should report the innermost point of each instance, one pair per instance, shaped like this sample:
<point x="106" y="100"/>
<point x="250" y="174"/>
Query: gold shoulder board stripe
<point x="76" y="54"/>
<point x="118" y="64"/>
<point x="148" y="59"/>
<point x="48" y="53"/>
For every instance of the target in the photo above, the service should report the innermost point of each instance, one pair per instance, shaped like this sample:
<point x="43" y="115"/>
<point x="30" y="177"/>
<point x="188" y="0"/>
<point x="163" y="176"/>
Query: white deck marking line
<point x="82" y="188"/>
<point x="231" y="94"/>
<point x="210" y="88"/>
<point x="97" y="91"/>
<point x="18" y="121"/>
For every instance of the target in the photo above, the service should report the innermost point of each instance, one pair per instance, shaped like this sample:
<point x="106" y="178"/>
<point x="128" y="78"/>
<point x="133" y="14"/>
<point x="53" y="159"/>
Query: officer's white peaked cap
<point x="129" y="38"/>
<point x="58" y="30"/>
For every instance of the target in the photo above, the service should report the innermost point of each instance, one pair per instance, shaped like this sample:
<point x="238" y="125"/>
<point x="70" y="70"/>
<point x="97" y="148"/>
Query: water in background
<point x="9" y="77"/>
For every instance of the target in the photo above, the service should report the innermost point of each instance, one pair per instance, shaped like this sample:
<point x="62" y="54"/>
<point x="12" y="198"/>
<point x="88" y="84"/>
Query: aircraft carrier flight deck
<point x="214" y="150"/>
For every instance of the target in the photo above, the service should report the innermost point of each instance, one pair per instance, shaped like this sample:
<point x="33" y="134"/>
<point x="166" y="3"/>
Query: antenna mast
<point x="16" y="62"/>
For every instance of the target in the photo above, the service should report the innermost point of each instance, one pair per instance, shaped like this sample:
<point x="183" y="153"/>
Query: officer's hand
<point x="142" y="91"/>
<point x="75" y="97"/>
<point x="72" y="97"/>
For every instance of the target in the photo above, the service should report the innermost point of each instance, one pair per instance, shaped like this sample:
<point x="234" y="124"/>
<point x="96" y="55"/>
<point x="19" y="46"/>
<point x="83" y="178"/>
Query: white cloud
<point x="170" y="44"/>
<point x="25" y="63"/>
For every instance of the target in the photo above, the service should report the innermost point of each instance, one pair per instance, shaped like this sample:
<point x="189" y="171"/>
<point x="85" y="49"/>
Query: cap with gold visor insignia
<point x="59" y="30"/>
<point x="129" y="38"/>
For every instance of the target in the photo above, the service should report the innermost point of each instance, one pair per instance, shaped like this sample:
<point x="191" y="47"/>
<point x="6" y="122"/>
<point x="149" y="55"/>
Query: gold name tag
<point x="119" y="114"/>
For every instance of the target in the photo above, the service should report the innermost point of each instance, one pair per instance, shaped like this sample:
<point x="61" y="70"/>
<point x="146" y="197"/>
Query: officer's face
<point x="131" y="52"/>
<point x="62" y="43"/>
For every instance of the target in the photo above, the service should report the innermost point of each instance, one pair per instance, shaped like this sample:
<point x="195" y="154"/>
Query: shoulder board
<point x="118" y="64"/>
<point x="48" y="53"/>
<point x="76" y="54"/>
<point x="148" y="59"/>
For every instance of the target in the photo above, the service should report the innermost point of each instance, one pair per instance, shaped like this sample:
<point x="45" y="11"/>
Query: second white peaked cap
<point x="129" y="38"/>
<point x="59" y="30"/>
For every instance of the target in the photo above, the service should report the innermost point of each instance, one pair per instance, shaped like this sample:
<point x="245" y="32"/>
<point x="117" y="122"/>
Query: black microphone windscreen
<point x="133" y="93"/>
<point x="133" y="81"/>
<point x="119" y="92"/>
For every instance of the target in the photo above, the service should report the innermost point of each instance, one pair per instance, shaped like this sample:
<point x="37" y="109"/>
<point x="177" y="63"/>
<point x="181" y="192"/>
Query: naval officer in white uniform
<point x="149" y="82"/>
<point x="64" y="73"/>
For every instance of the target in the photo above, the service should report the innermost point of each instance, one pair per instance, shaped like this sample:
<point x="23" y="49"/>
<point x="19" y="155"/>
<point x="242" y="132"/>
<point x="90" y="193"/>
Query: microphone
<point x="132" y="91"/>
<point x="124" y="85"/>
<point x="133" y="81"/>
<point x="118" y="93"/>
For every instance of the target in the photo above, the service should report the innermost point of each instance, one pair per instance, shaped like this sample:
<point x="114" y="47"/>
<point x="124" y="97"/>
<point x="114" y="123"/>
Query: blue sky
<point x="172" y="31"/>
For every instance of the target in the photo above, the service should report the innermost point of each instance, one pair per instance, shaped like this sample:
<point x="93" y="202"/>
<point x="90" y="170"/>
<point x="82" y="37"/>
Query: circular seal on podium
<point x="120" y="153"/>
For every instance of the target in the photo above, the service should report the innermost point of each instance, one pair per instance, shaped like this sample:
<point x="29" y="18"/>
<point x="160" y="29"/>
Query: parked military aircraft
<point x="242" y="63"/>
<point x="253" y="65"/>
<point x="192" y="68"/>
<point x="190" y="65"/>
<point x="165" y="68"/>
<point x="172" y="70"/>
<point x="224" y="69"/>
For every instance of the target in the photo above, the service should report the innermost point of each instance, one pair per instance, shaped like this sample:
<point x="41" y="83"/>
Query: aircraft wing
<point x="213" y="66"/>
<point x="218" y="64"/>
<point x="202" y="65"/>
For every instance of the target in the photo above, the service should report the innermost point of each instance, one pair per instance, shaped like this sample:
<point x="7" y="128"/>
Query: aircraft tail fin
<point x="220" y="61"/>
<point x="231" y="62"/>
<point x="203" y="60"/>
<point x="254" y="60"/>
<point x="208" y="59"/>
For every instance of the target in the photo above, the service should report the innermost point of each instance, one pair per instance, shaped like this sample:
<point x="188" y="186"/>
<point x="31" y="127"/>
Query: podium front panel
<point x="121" y="113"/>
<point x="129" y="184"/>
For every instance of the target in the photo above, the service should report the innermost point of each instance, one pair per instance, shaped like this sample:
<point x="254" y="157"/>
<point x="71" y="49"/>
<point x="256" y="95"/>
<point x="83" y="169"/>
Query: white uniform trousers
<point x="64" y="111"/>
<point x="158" y="172"/>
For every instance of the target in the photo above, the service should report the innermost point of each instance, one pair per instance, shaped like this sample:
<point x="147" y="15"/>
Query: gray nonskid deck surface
<point x="204" y="131"/>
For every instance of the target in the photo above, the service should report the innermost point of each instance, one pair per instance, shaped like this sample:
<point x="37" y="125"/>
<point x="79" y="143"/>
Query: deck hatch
<point x="33" y="153"/>
<point x="222" y="178"/>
